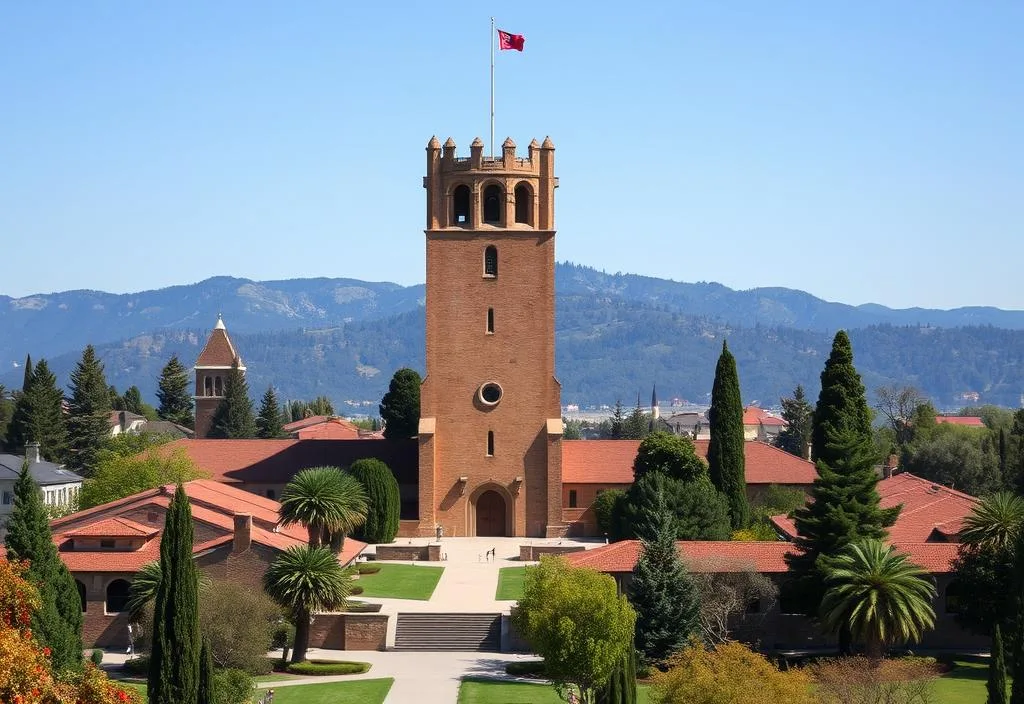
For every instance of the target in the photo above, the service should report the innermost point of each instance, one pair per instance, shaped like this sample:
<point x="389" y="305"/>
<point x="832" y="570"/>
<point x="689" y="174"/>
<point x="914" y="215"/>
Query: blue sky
<point x="860" y="151"/>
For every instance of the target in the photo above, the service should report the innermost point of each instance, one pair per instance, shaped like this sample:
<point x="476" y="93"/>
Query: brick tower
<point x="212" y="369"/>
<point x="490" y="440"/>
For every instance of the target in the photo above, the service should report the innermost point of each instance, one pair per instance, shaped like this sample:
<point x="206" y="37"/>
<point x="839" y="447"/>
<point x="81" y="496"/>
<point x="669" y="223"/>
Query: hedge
<point x="328" y="667"/>
<point x="384" y="501"/>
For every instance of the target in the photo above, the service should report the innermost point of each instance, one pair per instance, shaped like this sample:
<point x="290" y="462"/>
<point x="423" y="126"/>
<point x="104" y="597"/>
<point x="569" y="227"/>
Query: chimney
<point x="32" y="452"/>
<point x="892" y="462"/>
<point x="243" y="532"/>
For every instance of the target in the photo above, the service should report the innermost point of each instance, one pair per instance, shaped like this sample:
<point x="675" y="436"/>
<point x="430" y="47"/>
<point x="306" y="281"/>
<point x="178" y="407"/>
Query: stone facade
<point x="490" y="429"/>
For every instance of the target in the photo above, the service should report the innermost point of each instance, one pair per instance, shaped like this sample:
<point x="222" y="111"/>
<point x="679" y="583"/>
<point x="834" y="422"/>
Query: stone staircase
<point x="452" y="631"/>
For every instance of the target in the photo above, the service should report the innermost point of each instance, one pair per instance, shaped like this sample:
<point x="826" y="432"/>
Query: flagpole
<point x="492" y="87"/>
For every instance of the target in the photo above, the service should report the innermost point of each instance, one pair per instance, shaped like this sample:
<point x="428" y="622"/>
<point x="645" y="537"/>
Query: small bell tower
<point x="211" y="371"/>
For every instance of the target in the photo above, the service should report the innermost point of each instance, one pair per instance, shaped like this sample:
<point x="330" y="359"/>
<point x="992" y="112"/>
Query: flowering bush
<point x="25" y="674"/>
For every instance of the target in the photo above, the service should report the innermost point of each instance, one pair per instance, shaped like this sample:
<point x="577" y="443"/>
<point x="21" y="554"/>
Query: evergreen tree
<point x="206" y="693"/>
<point x="268" y="421"/>
<point x="400" y="407"/>
<point x="173" y="394"/>
<point x="383" y="500"/>
<point x="700" y="511"/>
<point x="174" y="666"/>
<point x="6" y="411"/>
<point x="798" y="414"/>
<point x="663" y="595"/>
<point x="637" y="425"/>
<point x="57" y="624"/>
<point x="88" y="412"/>
<point x="621" y="688"/>
<point x="997" y="670"/>
<point x="842" y="405"/>
<point x="133" y="402"/>
<point x="1017" y="689"/>
<point x="234" y="418"/>
<point x="116" y="399"/>
<point x="617" y="430"/>
<point x="726" y="460"/>
<point x="19" y="429"/>
<point x="39" y="415"/>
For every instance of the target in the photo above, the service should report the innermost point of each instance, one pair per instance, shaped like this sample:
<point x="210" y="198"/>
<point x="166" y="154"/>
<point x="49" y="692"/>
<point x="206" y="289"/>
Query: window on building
<point x="218" y="387"/>
<point x="954" y="598"/>
<point x="8" y="498"/>
<point x="788" y="604"/>
<point x="493" y="204"/>
<point x="207" y="386"/>
<point x="117" y="596"/>
<point x="491" y="261"/>
<point x="81" y="593"/>
<point x="572" y="498"/>
<point x="107" y="543"/>
<point x="271" y="494"/>
<point x="490" y="320"/>
<point x="461" y="201"/>
<point x="524" y="203"/>
<point x="490" y="443"/>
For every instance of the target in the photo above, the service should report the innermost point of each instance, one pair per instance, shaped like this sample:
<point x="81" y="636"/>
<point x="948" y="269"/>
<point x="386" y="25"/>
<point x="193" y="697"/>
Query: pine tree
<point x="39" y="415"/>
<point x="173" y="394"/>
<point x="798" y="414"/>
<point x="268" y="421"/>
<point x="57" y="624"/>
<point x="665" y="599"/>
<point x="400" y="407"/>
<point x="234" y="418"/>
<point x="206" y="694"/>
<point x="726" y="460"/>
<point x="617" y="430"/>
<point x="174" y="665"/>
<point x="133" y="402"/>
<point x="996" y="685"/>
<point x="842" y="405"/>
<point x="88" y="412"/>
<point x="19" y="429"/>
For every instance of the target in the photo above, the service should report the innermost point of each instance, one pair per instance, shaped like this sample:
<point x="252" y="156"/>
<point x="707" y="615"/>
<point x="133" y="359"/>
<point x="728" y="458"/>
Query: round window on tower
<point x="490" y="394"/>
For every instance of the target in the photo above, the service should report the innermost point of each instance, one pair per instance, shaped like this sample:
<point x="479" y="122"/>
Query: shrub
<point x="357" y="590"/>
<point x="138" y="665"/>
<point x="760" y="530"/>
<point x="606" y="507"/>
<point x="97" y="656"/>
<point x="368" y="569"/>
<point x="729" y="674"/>
<point x="857" y="680"/>
<point x="233" y="686"/>
<point x="526" y="668"/>
<point x="328" y="667"/>
<point x="240" y="623"/>
<point x="383" y="500"/>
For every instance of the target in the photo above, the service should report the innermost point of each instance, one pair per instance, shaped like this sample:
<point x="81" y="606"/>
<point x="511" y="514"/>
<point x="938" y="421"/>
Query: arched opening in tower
<point x="461" y="205"/>
<point x="493" y="204"/>
<point x="524" y="204"/>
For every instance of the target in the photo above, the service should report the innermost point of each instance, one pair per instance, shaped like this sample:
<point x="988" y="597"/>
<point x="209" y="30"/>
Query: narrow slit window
<point x="490" y="320"/>
<point x="491" y="261"/>
<point x="572" y="498"/>
<point x="461" y="205"/>
<point x="524" y="204"/>
<point x="490" y="443"/>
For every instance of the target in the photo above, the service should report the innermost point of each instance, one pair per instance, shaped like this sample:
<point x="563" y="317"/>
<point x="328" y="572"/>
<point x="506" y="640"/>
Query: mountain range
<point x="617" y="334"/>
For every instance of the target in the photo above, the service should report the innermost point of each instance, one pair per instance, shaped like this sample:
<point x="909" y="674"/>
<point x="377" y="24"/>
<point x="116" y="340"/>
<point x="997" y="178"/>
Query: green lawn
<point x="355" y="692"/>
<point x="965" y="684"/>
<point x="477" y="691"/>
<point x="510" y="583"/>
<point x="401" y="582"/>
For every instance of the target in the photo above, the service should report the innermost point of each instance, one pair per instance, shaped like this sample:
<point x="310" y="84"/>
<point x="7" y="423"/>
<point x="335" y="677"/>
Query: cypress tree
<point x="997" y="670"/>
<point x="665" y="599"/>
<point x="400" y="407"/>
<point x="174" y="665"/>
<point x="842" y="405"/>
<point x="268" y="421"/>
<point x="621" y="687"/>
<point x="726" y="461"/>
<point x="173" y="394"/>
<point x="207" y="694"/>
<point x="58" y="623"/>
<point x="88" y="412"/>
<point x="234" y="415"/>
<point x="383" y="500"/>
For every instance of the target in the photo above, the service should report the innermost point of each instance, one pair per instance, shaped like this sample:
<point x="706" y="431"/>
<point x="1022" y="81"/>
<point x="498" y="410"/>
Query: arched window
<point x="461" y="205"/>
<point x="490" y="443"/>
<point x="81" y="594"/>
<point x="491" y="261"/>
<point x="490" y="320"/>
<point x="218" y="387"/>
<point x="524" y="204"/>
<point x="117" y="596"/>
<point x="493" y="204"/>
<point x="207" y="386"/>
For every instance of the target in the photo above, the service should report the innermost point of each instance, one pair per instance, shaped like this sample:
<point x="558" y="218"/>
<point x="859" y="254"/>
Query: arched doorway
<point x="490" y="514"/>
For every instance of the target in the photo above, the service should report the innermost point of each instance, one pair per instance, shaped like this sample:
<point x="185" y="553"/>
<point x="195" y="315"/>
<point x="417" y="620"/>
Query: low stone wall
<point x="349" y="631"/>
<point x="532" y="553"/>
<point x="408" y="553"/>
<point x="408" y="529"/>
<point x="511" y="641"/>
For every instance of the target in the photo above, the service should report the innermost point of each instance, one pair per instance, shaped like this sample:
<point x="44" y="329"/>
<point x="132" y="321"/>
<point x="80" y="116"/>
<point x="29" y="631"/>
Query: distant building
<point x="328" y="428"/>
<point x="691" y="423"/>
<point x="60" y="486"/>
<point x="212" y="367"/>
<point x="759" y="424"/>
<point x="128" y="422"/>
<point x="966" y="421"/>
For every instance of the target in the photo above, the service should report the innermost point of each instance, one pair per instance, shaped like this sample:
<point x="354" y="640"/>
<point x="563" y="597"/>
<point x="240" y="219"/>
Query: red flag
<point x="510" y="41"/>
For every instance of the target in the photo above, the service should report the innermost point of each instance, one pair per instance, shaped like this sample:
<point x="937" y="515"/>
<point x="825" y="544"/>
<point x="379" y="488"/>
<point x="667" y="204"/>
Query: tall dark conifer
<point x="174" y="657"/>
<point x="996" y="684"/>
<point x="19" y="429"/>
<point x="842" y="405"/>
<point x="57" y="624"/>
<point x="798" y="414"/>
<point x="206" y="695"/>
<point x="173" y="394"/>
<point x="268" y="421"/>
<point x="400" y="407"/>
<point x="726" y="460"/>
<point x="39" y="415"/>
<point x="234" y="415"/>
<point x="88" y="412"/>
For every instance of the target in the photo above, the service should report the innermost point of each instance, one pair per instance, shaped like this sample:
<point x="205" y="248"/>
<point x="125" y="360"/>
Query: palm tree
<point x="879" y="595"/>
<point x="144" y="586"/>
<point x="994" y="521"/>
<point x="305" y="580"/>
<point x="329" y="502"/>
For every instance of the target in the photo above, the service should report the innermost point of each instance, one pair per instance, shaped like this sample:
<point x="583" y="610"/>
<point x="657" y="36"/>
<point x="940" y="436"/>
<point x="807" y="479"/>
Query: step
<point x="448" y="632"/>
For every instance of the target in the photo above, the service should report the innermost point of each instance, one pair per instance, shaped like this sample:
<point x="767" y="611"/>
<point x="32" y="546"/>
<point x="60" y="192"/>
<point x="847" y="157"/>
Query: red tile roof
<point x="218" y="352"/>
<point x="927" y="508"/>
<point x="752" y="415"/>
<point x="969" y="421"/>
<point x="323" y="428"/>
<point x="611" y="462"/>
<point x="110" y="560"/>
<point x="115" y="527"/>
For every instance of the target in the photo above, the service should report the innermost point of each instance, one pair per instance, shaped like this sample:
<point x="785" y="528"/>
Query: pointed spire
<point x="654" y="396"/>
<point x="508" y="143"/>
<point x="449" y="143"/>
<point x="548" y="144"/>
<point x="433" y="143"/>
<point x="220" y="323"/>
<point x="477" y="142"/>
<point x="534" y="144"/>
